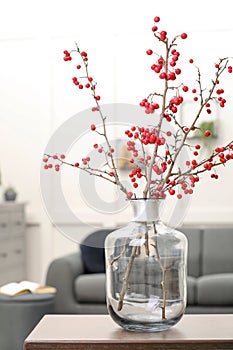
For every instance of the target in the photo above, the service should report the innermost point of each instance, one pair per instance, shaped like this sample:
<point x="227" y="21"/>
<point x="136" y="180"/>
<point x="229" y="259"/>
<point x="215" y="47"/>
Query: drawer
<point x="17" y="251"/>
<point x="12" y="252"/>
<point x="4" y="225"/>
<point x="16" y="223"/>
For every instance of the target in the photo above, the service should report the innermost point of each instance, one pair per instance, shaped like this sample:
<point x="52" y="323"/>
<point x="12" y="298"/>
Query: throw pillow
<point x="92" y="250"/>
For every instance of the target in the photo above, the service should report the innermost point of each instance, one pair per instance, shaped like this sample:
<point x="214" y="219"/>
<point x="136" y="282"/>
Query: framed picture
<point x="206" y="121"/>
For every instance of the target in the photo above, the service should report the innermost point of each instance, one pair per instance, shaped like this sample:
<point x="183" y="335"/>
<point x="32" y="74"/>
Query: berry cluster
<point x="134" y="175"/>
<point x="59" y="159"/>
<point x="84" y="80"/>
<point x="145" y="135"/>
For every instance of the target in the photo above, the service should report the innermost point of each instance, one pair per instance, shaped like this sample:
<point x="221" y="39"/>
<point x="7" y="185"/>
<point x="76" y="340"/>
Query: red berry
<point x="156" y="19"/>
<point x="191" y="60"/>
<point x="90" y="79"/>
<point x="149" y="52"/>
<point x="93" y="127"/>
<point x="129" y="195"/>
<point x="174" y="109"/>
<point x="154" y="28"/>
<point x="67" y="58"/>
<point x="97" y="98"/>
<point x="84" y="54"/>
<point x="184" y="35"/>
<point x="163" y="75"/>
<point x="62" y="156"/>
<point x="78" y="66"/>
<point x="163" y="35"/>
<point x="207" y="133"/>
<point x="171" y="191"/>
<point x="135" y="185"/>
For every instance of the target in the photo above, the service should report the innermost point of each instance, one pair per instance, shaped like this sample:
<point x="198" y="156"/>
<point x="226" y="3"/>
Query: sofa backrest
<point x="194" y="236"/>
<point x="210" y="250"/>
<point x="217" y="251"/>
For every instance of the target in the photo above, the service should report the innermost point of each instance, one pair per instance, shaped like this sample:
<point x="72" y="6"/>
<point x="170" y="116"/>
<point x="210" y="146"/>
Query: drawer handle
<point x="18" y="223"/>
<point x="3" y="255"/>
<point x="3" y="224"/>
<point x="18" y="251"/>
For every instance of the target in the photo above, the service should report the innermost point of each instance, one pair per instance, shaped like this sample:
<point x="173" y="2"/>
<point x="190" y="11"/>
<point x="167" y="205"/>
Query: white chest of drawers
<point x="12" y="242"/>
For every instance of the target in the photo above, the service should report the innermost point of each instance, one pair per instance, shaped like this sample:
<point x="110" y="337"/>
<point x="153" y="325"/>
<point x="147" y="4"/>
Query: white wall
<point x="37" y="95"/>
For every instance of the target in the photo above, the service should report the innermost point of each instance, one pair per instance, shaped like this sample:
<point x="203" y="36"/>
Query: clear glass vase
<point x="146" y="271"/>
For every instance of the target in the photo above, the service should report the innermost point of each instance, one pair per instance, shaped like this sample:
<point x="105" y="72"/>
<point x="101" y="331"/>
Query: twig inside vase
<point x="121" y="253"/>
<point x="163" y="274"/>
<point x="147" y="244"/>
<point x="126" y="277"/>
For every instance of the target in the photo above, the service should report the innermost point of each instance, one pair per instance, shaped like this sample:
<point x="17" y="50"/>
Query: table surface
<point x="99" y="332"/>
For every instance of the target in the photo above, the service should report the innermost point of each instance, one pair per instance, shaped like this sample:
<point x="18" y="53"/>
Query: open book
<point x="24" y="287"/>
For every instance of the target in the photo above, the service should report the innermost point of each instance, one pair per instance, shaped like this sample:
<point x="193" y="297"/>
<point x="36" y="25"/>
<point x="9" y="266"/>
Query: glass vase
<point x="146" y="271"/>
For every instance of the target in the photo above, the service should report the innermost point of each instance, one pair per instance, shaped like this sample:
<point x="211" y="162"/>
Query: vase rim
<point x="145" y="199"/>
<point x="146" y="209"/>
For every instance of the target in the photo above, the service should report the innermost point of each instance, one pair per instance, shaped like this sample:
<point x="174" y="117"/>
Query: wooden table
<point x="99" y="332"/>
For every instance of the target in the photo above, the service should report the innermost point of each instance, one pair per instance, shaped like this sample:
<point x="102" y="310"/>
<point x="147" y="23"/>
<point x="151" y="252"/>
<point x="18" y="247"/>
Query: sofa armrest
<point x="61" y="275"/>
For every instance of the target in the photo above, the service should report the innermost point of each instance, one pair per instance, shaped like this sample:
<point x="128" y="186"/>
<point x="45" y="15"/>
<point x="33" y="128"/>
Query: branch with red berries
<point x="155" y="152"/>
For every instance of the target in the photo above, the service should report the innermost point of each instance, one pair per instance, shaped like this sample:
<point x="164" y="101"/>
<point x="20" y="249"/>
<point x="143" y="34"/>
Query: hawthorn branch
<point x="91" y="171"/>
<point x="113" y="165"/>
<point x="218" y="73"/>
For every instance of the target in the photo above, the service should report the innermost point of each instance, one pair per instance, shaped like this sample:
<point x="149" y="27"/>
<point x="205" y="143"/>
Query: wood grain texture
<point x="99" y="332"/>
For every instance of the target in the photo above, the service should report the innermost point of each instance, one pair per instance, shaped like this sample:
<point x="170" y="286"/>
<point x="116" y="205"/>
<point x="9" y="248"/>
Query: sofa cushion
<point x="90" y="288"/>
<point x="215" y="289"/>
<point x="92" y="250"/>
<point x="217" y="251"/>
<point x="194" y="248"/>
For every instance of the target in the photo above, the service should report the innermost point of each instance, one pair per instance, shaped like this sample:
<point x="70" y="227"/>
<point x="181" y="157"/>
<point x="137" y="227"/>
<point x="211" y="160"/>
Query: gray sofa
<point x="210" y="276"/>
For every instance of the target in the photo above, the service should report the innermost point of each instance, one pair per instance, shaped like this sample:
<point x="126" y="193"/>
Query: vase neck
<point x="146" y="210"/>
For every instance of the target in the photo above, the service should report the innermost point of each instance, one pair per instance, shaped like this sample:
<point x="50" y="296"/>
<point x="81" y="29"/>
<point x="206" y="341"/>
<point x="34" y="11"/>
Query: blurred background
<point x="37" y="94"/>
